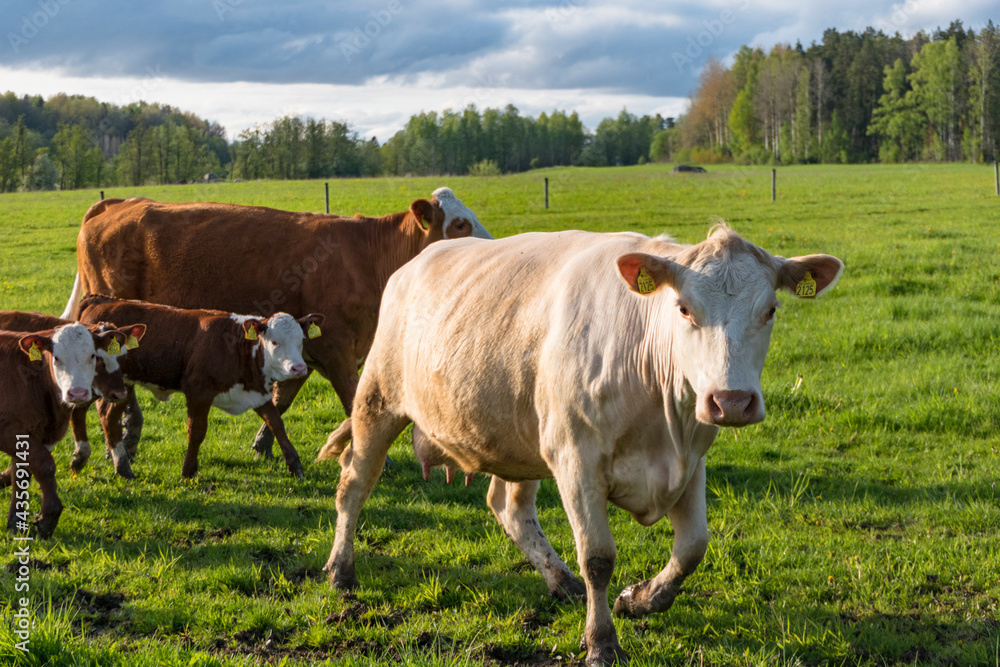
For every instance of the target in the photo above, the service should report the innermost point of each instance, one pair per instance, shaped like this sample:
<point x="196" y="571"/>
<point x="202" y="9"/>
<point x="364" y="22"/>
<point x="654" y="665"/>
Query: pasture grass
<point x="857" y="525"/>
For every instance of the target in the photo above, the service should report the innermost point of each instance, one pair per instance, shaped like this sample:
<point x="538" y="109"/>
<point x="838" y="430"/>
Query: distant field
<point x="859" y="524"/>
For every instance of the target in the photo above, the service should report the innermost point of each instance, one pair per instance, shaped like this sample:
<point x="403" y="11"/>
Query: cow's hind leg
<point x="375" y="428"/>
<point x="513" y="504"/>
<point x="585" y="498"/>
<point x="283" y="395"/>
<point x="690" y="521"/>
<point x="197" y="427"/>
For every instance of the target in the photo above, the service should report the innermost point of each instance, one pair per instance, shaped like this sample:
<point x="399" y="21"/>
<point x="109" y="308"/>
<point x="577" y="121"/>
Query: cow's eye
<point x="770" y="314"/>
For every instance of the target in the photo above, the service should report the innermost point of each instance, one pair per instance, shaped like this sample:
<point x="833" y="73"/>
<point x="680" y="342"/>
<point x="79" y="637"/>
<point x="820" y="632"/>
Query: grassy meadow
<point x="859" y="524"/>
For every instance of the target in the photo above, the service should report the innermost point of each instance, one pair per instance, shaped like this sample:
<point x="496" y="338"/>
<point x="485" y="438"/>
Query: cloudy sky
<point x="374" y="63"/>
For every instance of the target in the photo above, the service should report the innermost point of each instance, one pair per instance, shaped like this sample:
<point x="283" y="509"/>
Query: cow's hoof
<point x="78" y="463"/>
<point x="343" y="578"/>
<point x="569" y="589"/>
<point x="296" y="471"/>
<point x="641" y="599"/>
<point x="629" y="602"/>
<point x="262" y="452"/>
<point x="45" y="526"/>
<point x="606" y="654"/>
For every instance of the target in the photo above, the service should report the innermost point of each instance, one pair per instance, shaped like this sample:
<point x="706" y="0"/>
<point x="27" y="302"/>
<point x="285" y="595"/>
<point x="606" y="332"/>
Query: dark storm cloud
<point x="627" y="46"/>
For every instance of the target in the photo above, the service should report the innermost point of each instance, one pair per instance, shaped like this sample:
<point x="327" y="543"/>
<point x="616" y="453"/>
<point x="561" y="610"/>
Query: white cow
<point x="606" y="361"/>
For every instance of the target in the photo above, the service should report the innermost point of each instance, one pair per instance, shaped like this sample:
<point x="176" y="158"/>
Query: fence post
<point x="996" y="176"/>
<point x="326" y="188"/>
<point x="774" y="183"/>
<point x="546" y="192"/>
<point x="102" y="195"/>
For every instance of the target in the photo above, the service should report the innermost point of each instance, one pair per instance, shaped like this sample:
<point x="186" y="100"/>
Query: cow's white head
<point x="718" y="300"/>
<point x="281" y="337"/>
<point x="446" y="217"/>
<point x="72" y="356"/>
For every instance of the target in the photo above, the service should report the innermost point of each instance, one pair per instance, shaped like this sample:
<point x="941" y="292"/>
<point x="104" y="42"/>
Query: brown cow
<point x="214" y="358"/>
<point x="108" y="380"/>
<point x="43" y="376"/>
<point x="259" y="260"/>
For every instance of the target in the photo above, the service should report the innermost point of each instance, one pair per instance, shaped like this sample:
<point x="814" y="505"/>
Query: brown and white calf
<point x="43" y="376"/>
<point x="108" y="380"/>
<point x="214" y="358"/>
<point x="608" y="361"/>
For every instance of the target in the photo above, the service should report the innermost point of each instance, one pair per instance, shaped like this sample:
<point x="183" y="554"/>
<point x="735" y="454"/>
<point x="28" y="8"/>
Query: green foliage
<point x="43" y="174"/>
<point x="485" y="168"/>
<point x="857" y="525"/>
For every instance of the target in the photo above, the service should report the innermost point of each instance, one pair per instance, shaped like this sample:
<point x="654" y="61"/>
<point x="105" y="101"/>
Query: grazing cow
<point x="108" y="381"/>
<point x="214" y="358"/>
<point x="43" y="376"/>
<point x="606" y="361"/>
<point x="259" y="260"/>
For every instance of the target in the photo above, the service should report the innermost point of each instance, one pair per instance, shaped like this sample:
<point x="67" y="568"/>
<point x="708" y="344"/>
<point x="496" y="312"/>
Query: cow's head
<point x="71" y="354"/>
<point x="717" y="299"/>
<point x="445" y="217"/>
<point x="109" y="382"/>
<point x="281" y="337"/>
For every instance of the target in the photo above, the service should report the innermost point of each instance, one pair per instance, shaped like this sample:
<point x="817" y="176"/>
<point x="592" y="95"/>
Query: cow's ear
<point x="34" y="344"/>
<point x="134" y="333"/>
<point x="310" y="324"/>
<point x="808" y="276"/>
<point x="424" y="212"/>
<point x="253" y="329"/>
<point x="113" y="342"/>
<point x="644" y="273"/>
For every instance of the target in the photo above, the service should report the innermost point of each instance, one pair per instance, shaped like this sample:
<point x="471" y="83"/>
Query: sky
<point x="375" y="63"/>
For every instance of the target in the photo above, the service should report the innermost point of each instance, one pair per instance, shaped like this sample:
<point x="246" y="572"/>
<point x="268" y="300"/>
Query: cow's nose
<point x="733" y="407"/>
<point x="78" y="395"/>
<point x="299" y="370"/>
<point x="117" y="396"/>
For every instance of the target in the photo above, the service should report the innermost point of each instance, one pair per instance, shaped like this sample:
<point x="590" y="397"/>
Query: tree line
<point x="853" y="97"/>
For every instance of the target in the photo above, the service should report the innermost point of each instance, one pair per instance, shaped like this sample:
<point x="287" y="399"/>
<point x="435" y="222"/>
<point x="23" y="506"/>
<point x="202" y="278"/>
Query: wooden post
<point x="326" y="187"/>
<point x="774" y="183"/>
<point x="102" y="194"/>
<point x="546" y="192"/>
<point x="996" y="175"/>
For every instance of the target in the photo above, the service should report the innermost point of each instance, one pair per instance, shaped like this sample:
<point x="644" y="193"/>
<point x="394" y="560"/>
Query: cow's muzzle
<point x="724" y="407"/>
<point x="77" y="395"/>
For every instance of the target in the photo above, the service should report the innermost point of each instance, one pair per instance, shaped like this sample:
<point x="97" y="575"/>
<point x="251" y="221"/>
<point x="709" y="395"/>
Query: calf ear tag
<point x="34" y="353"/>
<point x="114" y="347"/>
<point x="645" y="282"/>
<point x="251" y="333"/>
<point x="131" y="342"/>
<point x="807" y="287"/>
<point x="313" y="331"/>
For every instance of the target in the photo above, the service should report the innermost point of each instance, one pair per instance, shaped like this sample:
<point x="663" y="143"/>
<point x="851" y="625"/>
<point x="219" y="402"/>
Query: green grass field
<point x="859" y="524"/>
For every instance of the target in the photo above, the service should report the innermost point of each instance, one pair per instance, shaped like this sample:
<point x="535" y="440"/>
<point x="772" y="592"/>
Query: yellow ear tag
<point x="806" y="288"/>
<point x="645" y="282"/>
<point x="114" y="347"/>
<point x="131" y="342"/>
<point x="313" y="331"/>
<point x="251" y="333"/>
<point x="34" y="353"/>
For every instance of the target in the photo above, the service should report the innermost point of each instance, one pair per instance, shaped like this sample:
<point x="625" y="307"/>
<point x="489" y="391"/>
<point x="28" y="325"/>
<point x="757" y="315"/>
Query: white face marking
<point x="111" y="360"/>
<point x="454" y="209"/>
<point x="74" y="362"/>
<point x="282" y="345"/>
<point x="728" y="329"/>
<point x="238" y="400"/>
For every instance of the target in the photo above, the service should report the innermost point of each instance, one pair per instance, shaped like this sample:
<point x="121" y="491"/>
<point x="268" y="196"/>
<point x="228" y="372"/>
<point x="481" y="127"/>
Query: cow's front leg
<point x="81" y="449"/>
<point x="111" y="423"/>
<point x="132" y="421"/>
<point x="272" y="419"/>
<point x="585" y="497"/>
<point x="374" y="430"/>
<point x="690" y="521"/>
<point x="513" y="504"/>
<point x="282" y="396"/>
<point x="197" y="427"/>
<point x="42" y="467"/>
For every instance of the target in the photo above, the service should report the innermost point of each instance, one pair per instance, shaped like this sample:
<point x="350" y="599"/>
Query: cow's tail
<point x="337" y="442"/>
<point x="74" y="299"/>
